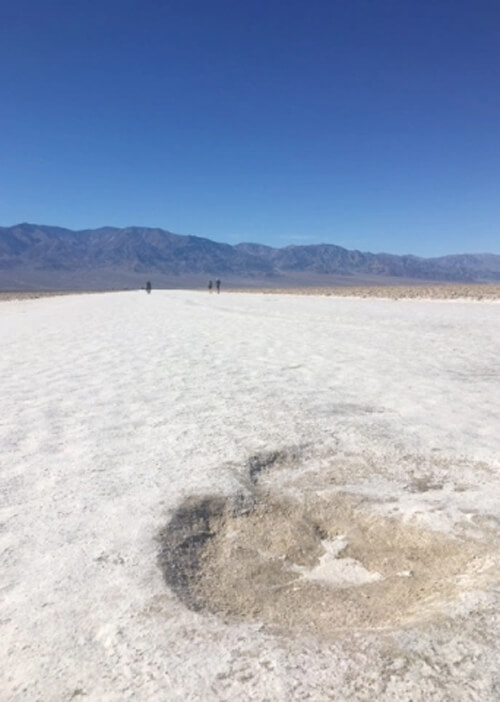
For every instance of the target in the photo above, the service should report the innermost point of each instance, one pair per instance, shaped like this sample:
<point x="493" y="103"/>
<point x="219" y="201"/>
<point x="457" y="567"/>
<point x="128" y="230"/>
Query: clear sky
<point x="371" y="124"/>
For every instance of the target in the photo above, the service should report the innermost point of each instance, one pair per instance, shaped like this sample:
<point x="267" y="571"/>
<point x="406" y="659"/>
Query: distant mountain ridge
<point x="34" y="255"/>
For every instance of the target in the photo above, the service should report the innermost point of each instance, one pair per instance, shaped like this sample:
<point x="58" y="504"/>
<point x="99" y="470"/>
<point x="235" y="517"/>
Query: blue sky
<point x="371" y="124"/>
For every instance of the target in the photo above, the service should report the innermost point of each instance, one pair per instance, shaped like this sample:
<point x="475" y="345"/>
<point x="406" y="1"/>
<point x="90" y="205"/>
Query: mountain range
<point x="46" y="257"/>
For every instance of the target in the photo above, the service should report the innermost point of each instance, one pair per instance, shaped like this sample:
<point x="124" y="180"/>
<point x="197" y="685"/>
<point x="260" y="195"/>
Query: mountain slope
<point x="38" y="255"/>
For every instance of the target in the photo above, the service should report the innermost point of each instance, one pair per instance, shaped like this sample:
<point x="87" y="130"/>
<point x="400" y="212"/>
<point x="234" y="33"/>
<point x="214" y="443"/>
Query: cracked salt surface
<point x="338" y="572"/>
<point x="119" y="408"/>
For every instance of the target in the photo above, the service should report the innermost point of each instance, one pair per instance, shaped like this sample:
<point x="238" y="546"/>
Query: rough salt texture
<point x="328" y="417"/>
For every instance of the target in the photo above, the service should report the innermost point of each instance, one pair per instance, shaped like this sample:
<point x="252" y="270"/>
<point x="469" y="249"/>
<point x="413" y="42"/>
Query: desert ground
<point x="443" y="291"/>
<point x="251" y="496"/>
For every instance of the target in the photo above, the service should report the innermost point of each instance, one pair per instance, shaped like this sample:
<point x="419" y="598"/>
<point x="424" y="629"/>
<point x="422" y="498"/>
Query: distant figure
<point x="217" y="285"/>
<point x="148" y="287"/>
<point x="210" y="286"/>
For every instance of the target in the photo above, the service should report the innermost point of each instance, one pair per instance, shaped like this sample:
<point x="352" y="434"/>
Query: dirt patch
<point x="320" y="565"/>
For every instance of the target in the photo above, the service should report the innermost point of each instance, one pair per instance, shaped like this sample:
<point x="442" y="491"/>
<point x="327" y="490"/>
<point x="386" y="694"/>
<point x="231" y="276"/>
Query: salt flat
<point x="249" y="496"/>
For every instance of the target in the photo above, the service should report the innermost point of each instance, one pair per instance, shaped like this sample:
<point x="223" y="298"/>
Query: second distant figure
<point x="210" y="286"/>
<point x="217" y="285"/>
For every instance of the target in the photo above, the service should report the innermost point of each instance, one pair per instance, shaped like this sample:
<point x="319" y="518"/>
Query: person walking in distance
<point x="210" y="286"/>
<point x="217" y="285"/>
<point x="148" y="287"/>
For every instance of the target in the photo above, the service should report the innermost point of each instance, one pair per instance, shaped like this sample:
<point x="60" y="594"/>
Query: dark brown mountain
<point x="37" y="256"/>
